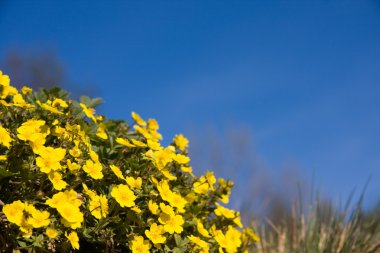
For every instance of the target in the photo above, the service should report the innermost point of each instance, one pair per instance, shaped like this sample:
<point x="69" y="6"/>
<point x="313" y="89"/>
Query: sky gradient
<point x="302" y="76"/>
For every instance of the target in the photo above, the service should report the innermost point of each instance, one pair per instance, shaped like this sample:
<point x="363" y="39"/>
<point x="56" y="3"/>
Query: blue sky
<point x="303" y="76"/>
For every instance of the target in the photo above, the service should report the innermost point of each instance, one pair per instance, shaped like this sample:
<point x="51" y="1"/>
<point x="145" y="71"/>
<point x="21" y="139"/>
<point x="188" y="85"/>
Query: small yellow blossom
<point x="94" y="170"/>
<point x="39" y="219"/>
<point x="90" y="112"/>
<point x="223" y="211"/>
<point x="138" y="119"/>
<point x="52" y="233"/>
<point x="125" y="142"/>
<point x="198" y="241"/>
<point x="153" y="207"/>
<point x="73" y="239"/>
<point x="5" y="138"/>
<point x="75" y="152"/>
<point x="153" y="125"/>
<point x="139" y="245"/>
<point x="117" y="172"/>
<point x="50" y="158"/>
<point x="98" y="206"/>
<point x="101" y="132"/>
<point x="56" y="179"/>
<point x="155" y="234"/>
<point x="201" y="186"/>
<point x="138" y="143"/>
<point x="172" y="223"/>
<point x="134" y="182"/>
<point x="181" y="159"/>
<point x="72" y="165"/>
<point x="123" y="195"/>
<point x="181" y="142"/>
<point x="26" y="90"/>
<point x="14" y="212"/>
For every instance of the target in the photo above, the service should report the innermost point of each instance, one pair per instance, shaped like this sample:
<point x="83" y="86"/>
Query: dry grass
<point x="322" y="230"/>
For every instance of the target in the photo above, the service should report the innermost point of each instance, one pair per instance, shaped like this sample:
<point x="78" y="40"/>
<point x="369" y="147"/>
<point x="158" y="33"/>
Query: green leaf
<point x="178" y="250"/>
<point x="4" y="173"/>
<point x="95" y="102"/>
<point x="178" y="240"/>
<point x="85" y="100"/>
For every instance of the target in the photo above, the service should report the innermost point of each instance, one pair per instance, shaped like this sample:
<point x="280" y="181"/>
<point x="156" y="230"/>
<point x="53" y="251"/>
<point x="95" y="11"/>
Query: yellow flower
<point x="123" y="195"/>
<point x="172" y="223"/>
<point x="14" y="212"/>
<point x="117" y="172"/>
<point x="94" y="170"/>
<point x="237" y="220"/>
<point x="210" y="179"/>
<point x="198" y="241"/>
<point x="18" y="100"/>
<point x="181" y="142"/>
<point x="89" y="112"/>
<point x="166" y="209"/>
<point x="153" y="125"/>
<point x="4" y="79"/>
<point x="201" y="229"/>
<point x="223" y="211"/>
<point x="139" y="144"/>
<point x="73" y="239"/>
<point x="6" y="89"/>
<point x="153" y="207"/>
<point x="3" y="157"/>
<point x="134" y="182"/>
<point x="155" y="234"/>
<point x="168" y="175"/>
<point x="48" y="107"/>
<point x="230" y="241"/>
<point x="50" y="158"/>
<point x="138" y="119"/>
<point x="75" y="152"/>
<point x="99" y="206"/>
<point x="35" y="132"/>
<point x="252" y="235"/>
<point x="94" y="156"/>
<point x="144" y="132"/>
<point x="52" y="233"/>
<point x="101" y="132"/>
<point x="181" y="159"/>
<point x="177" y="201"/>
<point x="164" y="190"/>
<point x="72" y="165"/>
<point x="162" y="157"/>
<point x="26" y="90"/>
<point x="62" y="198"/>
<point x="39" y="219"/>
<point x="136" y="209"/>
<point x="29" y="128"/>
<point x="56" y="179"/>
<point x="67" y="205"/>
<point x="201" y="186"/>
<point x="125" y="142"/>
<point x="5" y="138"/>
<point x="187" y="169"/>
<point x="60" y="102"/>
<point x="233" y="235"/>
<point x="139" y="245"/>
<point x="154" y="145"/>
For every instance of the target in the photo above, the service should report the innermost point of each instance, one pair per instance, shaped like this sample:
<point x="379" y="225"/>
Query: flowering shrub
<point x="71" y="180"/>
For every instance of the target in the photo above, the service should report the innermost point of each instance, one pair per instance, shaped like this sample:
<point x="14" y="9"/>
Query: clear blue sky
<point x="304" y="76"/>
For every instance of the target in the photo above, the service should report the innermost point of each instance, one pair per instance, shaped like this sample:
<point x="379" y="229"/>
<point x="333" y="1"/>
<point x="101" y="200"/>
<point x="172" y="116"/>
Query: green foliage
<point x="70" y="179"/>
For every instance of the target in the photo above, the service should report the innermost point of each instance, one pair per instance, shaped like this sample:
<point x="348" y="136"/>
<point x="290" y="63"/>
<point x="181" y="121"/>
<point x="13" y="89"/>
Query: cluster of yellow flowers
<point x="72" y="177"/>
